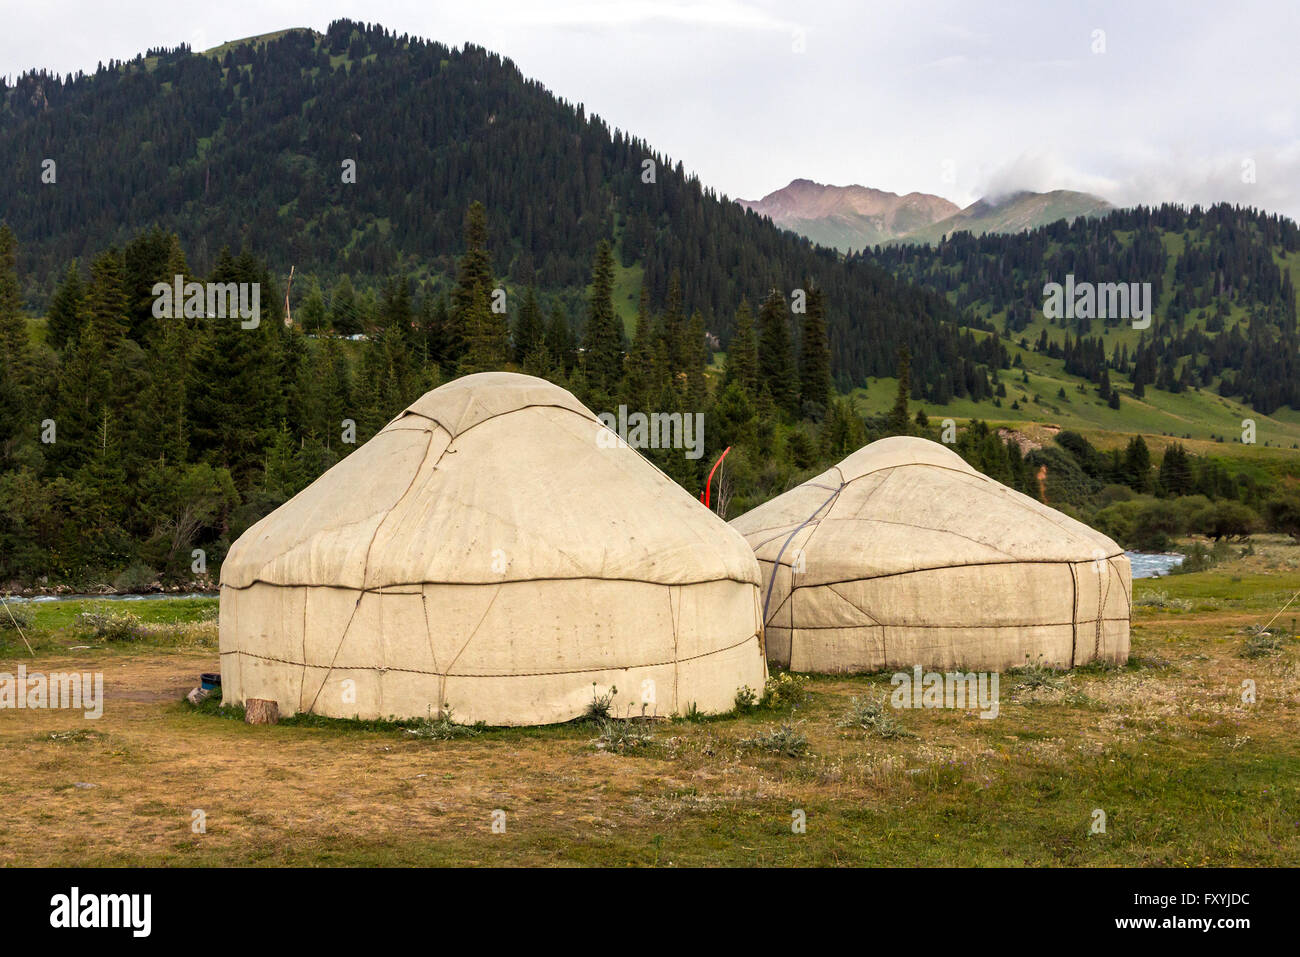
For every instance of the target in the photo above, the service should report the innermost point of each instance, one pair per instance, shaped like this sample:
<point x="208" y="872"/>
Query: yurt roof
<point x="903" y="504"/>
<point x="492" y="477"/>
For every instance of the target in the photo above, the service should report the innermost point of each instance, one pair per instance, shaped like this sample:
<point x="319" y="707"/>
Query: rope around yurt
<point x="777" y="563"/>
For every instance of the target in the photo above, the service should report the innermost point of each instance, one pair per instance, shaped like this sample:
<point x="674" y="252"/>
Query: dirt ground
<point x="1184" y="770"/>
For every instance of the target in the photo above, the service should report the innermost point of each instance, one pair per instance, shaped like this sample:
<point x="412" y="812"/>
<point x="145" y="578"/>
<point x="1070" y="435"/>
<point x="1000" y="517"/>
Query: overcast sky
<point x="1170" y="101"/>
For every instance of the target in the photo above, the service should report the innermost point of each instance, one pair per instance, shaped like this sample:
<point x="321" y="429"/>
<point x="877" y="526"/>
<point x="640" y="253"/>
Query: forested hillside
<point x="1224" y="317"/>
<point x="246" y="148"/>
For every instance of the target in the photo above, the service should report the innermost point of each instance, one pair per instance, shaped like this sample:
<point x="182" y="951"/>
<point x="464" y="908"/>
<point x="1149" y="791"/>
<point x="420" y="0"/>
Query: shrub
<point x="598" y="710"/>
<point x="1187" y="507"/>
<point x="746" y="698"/>
<point x="13" y="616"/>
<point x="443" y="728"/>
<point x="1155" y="522"/>
<point x="135" y="578"/>
<point x="1284" y="514"/>
<point x="1118" y="520"/>
<point x="1110" y="494"/>
<point x="784" y="691"/>
<point x="785" y="739"/>
<point x="1161" y="599"/>
<point x="1263" y="644"/>
<point x="875" y="717"/>
<point x="1225" y="520"/>
<point x="1199" y="558"/>
<point x="622" y="737"/>
<point x="107" y="625"/>
<point x="1033" y="675"/>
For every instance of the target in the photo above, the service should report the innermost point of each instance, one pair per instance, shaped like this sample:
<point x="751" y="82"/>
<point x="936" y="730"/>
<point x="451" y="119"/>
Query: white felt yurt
<point x="485" y="552"/>
<point x="904" y="555"/>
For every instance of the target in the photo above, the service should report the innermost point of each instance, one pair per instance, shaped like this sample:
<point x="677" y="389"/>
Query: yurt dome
<point x="485" y="552"/>
<point x="904" y="555"/>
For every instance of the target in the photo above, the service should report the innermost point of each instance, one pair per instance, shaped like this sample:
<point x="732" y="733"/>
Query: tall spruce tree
<point x="697" y="357"/>
<point x="530" y="329"/>
<point x="486" y="332"/>
<point x="776" y="365"/>
<point x="899" y="421"/>
<point x="344" y="313"/>
<point x="642" y="379"/>
<point x="742" y="352"/>
<point x="106" y="303"/>
<point x="814" y="358"/>
<point x="63" y="318"/>
<point x="603" y="338"/>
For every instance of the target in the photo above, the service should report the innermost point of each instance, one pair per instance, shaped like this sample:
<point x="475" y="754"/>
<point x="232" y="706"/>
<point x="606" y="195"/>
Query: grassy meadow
<point x="1186" y="772"/>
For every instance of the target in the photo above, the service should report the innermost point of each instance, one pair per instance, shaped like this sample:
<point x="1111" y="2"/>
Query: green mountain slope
<point x="1010" y="214"/>
<point x="1222" y="314"/>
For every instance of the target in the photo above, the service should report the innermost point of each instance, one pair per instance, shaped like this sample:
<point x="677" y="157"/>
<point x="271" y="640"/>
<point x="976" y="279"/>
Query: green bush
<point x="104" y="624"/>
<point x="135" y="578"/>
<point x="14" y="615"/>
<point x="1225" y="520"/>
<point x="1156" y="522"/>
<point x="622" y="737"/>
<point x="598" y="710"/>
<point x="784" y="690"/>
<point x="1111" y="494"/>
<point x="1119" y="520"/>
<point x="1263" y="644"/>
<point x="874" y="716"/>
<point x="1283" y="512"/>
<point x="785" y="739"/>
<point x="444" y="728"/>
<point x="1161" y="599"/>
<point x="1199" y="558"/>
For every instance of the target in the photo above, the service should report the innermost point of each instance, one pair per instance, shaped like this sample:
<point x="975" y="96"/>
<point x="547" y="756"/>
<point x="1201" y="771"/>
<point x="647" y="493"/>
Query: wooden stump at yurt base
<point x="261" y="711"/>
<point x="904" y="555"/>
<point x="494" y="550"/>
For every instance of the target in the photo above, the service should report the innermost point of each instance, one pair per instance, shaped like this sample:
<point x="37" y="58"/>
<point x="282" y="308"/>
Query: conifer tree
<point x="814" y="358"/>
<point x="603" y="337"/>
<point x="559" y="340"/>
<point x="530" y="328"/>
<point x="235" y="401"/>
<point x="63" y="318"/>
<point x="742" y="353"/>
<point x="484" y="348"/>
<point x="16" y="373"/>
<point x="697" y="358"/>
<point x="106" y="302"/>
<point x="344" y="315"/>
<point x="776" y="366"/>
<point x="311" y="313"/>
<point x="642" y="380"/>
<point x="486" y="333"/>
<point x="672" y="325"/>
<point x="899" y="422"/>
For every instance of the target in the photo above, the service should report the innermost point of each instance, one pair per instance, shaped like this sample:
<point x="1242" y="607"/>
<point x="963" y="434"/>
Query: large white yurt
<point x="904" y="555"/>
<point x="485" y="552"/>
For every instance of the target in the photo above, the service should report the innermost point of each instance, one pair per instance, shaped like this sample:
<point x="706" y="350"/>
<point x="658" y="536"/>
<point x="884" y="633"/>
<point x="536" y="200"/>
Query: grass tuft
<point x="875" y="717"/>
<point x="786" y="739"/>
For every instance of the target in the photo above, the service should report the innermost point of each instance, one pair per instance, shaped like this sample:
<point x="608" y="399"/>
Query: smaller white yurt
<point x="904" y="555"/>
<point x="490" y="550"/>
